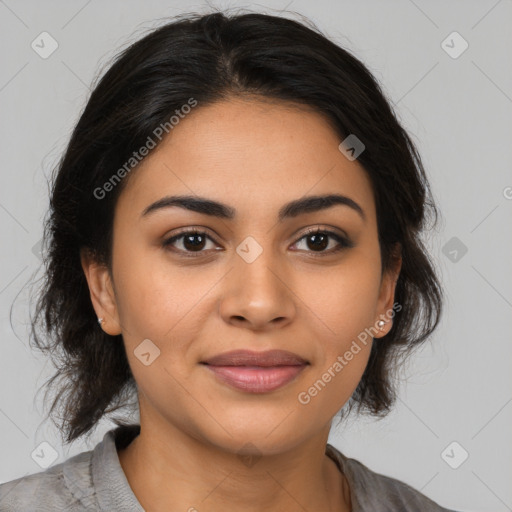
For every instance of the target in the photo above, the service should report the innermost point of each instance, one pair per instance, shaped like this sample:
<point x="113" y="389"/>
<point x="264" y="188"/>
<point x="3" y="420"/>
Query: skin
<point x="254" y="156"/>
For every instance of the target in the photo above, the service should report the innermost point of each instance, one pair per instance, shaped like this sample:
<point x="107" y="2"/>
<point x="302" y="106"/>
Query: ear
<point x="102" y="292"/>
<point x="387" y="292"/>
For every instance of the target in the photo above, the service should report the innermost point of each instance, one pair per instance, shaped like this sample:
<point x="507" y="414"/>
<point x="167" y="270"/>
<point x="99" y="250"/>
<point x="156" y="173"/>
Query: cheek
<point x="342" y="301"/>
<point x="335" y="376"/>
<point x="329" y="387"/>
<point x="162" y="308"/>
<point x="340" y="305"/>
<point x="154" y="295"/>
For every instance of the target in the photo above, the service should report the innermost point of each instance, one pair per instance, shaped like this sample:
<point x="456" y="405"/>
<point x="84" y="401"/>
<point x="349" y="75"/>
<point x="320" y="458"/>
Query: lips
<point x="250" y="358"/>
<point x="256" y="372"/>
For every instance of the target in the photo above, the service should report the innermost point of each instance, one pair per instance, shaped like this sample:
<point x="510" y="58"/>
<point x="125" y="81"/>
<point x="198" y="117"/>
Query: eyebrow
<point x="292" y="209"/>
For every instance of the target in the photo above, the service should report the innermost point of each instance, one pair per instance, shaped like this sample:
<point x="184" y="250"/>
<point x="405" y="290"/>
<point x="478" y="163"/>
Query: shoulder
<point x="374" y="491"/>
<point x="65" y="486"/>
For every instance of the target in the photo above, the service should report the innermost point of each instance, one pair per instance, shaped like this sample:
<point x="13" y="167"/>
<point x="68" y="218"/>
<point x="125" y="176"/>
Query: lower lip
<point x="256" y="379"/>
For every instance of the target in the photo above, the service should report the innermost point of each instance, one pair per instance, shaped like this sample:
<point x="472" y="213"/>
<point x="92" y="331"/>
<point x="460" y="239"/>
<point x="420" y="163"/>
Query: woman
<point x="233" y="241"/>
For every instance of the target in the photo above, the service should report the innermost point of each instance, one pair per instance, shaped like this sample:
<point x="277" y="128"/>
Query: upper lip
<point x="251" y="358"/>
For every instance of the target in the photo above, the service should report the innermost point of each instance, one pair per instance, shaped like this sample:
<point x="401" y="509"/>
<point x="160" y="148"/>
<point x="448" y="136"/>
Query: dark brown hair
<point x="209" y="58"/>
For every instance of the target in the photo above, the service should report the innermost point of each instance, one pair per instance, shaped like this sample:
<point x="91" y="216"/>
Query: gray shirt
<point x="95" y="481"/>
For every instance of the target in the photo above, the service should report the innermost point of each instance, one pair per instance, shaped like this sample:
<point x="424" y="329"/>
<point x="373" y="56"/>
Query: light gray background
<point x="458" y="110"/>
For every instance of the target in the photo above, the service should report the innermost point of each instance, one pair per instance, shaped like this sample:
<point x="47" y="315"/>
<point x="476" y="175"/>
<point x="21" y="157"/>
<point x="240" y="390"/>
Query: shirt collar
<point x="113" y="491"/>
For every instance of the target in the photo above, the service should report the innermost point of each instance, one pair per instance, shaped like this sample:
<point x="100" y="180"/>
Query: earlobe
<point x="101" y="292"/>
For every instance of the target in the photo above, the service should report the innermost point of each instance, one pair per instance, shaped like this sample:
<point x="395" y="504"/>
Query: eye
<point x="318" y="240"/>
<point x="193" y="241"/>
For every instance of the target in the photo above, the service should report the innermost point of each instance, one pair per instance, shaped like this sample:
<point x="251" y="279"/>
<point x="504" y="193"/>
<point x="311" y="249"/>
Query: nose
<point x="258" y="294"/>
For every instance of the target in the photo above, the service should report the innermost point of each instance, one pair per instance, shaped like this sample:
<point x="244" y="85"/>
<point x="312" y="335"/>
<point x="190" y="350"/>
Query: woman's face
<point x="253" y="280"/>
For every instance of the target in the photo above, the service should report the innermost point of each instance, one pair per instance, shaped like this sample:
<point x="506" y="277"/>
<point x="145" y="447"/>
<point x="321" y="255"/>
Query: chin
<point x="270" y="436"/>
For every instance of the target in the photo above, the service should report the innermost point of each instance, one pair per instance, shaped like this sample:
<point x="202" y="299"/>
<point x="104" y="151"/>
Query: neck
<point x="174" y="471"/>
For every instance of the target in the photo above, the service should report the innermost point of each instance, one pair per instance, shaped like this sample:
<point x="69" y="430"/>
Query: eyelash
<point x="345" y="243"/>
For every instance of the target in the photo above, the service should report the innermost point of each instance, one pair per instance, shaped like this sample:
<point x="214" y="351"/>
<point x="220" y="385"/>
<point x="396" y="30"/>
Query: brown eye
<point x="318" y="240"/>
<point x="191" y="241"/>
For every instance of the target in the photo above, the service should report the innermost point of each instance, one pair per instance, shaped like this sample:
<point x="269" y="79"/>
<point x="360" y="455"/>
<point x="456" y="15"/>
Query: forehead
<point x="254" y="155"/>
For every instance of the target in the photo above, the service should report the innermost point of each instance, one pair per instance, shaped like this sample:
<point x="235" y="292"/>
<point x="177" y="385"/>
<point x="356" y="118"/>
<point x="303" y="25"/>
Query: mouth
<point x="256" y="372"/>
